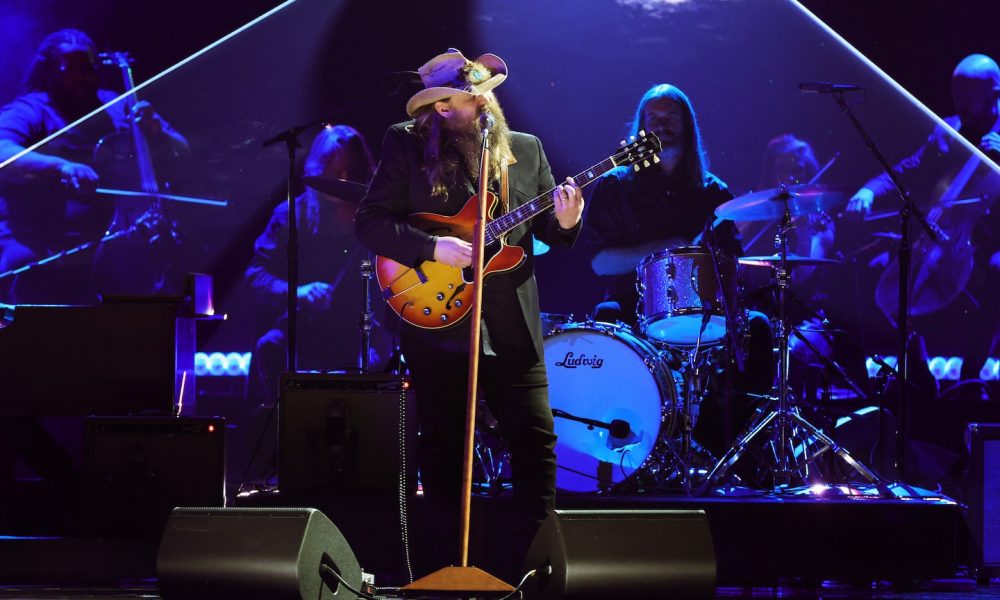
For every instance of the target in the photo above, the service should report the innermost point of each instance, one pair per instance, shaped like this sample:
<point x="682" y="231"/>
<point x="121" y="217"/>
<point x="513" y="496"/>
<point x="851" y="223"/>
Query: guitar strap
<point x="505" y="184"/>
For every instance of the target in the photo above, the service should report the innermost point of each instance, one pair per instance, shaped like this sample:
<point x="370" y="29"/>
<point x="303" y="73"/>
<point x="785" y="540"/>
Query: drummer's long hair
<point x="695" y="163"/>
<point x="36" y="78"/>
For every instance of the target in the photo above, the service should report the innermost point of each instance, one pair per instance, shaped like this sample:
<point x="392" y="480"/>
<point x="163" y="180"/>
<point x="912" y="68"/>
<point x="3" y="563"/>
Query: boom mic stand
<point x="290" y="137"/>
<point x="906" y="210"/>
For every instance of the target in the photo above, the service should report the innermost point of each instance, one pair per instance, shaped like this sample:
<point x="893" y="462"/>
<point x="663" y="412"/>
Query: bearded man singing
<point x="431" y="164"/>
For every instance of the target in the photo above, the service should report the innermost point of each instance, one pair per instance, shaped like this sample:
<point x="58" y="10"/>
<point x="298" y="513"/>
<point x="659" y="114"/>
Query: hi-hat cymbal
<point x="766" y="205"/>
<point x="792" y="260"/>
<point x="349" y="191"/>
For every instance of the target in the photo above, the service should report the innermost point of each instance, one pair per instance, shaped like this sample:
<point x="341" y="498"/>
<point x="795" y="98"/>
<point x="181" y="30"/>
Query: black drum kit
<point x="626" y="402"/>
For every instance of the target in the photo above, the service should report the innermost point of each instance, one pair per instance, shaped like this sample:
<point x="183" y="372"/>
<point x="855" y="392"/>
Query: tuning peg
<point x="642" y="133"/>
<point x="623" y="143"/>
<point x="645" y="163"/>
<point x="631" y="137"/>
<point x="656" y="159"/>
<point x="636" y="167"/>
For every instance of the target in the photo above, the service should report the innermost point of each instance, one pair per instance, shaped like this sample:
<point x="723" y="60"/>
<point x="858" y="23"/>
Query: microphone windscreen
<point x="619" y="429"/>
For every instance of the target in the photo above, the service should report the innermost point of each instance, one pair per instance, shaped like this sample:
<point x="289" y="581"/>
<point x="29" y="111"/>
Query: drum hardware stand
<point x="693" y="390"/>
<point x="367" y="319"/>
<point x="784" y="418"/>
<point x="829" y="363"/>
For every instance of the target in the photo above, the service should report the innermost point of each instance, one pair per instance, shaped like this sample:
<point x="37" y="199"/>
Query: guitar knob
<point x="458" y="303"/>
<point x="440" y="295"/>
<point x="444" y="318"/>
<point x="427" y="311"/>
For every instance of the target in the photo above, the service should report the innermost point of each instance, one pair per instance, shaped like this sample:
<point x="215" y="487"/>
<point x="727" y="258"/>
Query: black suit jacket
<point x="510" y="300"/>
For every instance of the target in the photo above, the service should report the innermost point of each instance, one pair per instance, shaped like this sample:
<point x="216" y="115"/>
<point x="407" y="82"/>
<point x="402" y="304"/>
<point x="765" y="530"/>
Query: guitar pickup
<point x="407" y="280"/>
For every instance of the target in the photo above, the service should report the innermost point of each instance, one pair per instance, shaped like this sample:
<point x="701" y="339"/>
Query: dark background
<point x="577" y="70"/>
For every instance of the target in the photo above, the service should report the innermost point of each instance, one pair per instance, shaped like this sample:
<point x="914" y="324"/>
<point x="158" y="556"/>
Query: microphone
<point x="825" y="87"/>
<point x="619" y="429"/>
<point x="487" y="120"/>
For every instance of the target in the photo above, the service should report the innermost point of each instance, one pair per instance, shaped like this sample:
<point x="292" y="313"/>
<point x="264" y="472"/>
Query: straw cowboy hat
<point x="450" y="73"/>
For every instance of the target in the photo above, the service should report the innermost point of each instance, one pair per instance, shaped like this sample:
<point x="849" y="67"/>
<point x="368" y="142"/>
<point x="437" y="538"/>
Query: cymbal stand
<point x="367" y="316"/>
<point x="784" y="420"/>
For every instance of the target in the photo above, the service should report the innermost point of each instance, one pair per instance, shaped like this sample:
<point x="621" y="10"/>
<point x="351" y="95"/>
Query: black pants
<point x="517" y="395"/>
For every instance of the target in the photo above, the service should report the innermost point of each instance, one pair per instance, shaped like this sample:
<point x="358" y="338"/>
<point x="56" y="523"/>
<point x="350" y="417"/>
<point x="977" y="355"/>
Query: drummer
<point x="636" y="213"/>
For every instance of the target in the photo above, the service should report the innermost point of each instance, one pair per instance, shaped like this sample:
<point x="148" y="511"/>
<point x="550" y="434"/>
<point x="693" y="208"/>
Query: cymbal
<point x="793" y="260"/>
<point x="766" y="205"/>
<point x="349" y="191"/>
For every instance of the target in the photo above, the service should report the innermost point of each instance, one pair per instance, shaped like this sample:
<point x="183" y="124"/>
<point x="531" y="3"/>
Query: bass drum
<point x="613" y="399"/>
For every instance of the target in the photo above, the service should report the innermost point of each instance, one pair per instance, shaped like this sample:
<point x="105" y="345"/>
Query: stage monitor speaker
<point x="622" y="554"/>
<point x="140" y="468"/>
<point x="254" y="554"/>
<point x="341" y="433"/>
<point x="982" y="489"/>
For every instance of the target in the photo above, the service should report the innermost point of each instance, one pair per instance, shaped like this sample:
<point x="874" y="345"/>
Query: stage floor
<point x="798" y="544"/>
<point x="945" y="590"/>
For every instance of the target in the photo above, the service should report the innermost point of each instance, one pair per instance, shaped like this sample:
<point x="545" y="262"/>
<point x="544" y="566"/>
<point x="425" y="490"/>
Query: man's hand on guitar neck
<point x="453" y="251"/>
<point x="568" y="201"/>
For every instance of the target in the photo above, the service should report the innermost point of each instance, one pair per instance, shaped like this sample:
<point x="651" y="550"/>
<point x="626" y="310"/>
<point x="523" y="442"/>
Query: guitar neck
<point x="505" y="223"/>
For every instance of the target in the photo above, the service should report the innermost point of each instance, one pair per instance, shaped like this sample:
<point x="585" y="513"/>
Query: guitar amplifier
<point x="344" y="433"/>
<point x="140" y="468"/>
<point x="982" y="494"/>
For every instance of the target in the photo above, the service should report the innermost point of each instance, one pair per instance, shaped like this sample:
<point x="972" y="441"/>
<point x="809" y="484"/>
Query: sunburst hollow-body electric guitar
<point x="433" y="295"/>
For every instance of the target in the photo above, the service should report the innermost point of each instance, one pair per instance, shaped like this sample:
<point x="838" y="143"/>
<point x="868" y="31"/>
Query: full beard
<point x="467" y="141"/>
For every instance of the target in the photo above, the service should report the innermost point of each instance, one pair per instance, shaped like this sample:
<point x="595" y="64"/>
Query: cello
<point x="141" y="259"/>
<point x="942" y="268"/>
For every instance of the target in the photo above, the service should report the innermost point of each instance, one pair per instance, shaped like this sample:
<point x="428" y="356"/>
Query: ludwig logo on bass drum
<point x="571" y="361"/>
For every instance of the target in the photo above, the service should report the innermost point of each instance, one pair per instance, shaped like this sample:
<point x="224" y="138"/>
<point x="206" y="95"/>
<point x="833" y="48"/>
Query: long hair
<point x="343" y="148"/>
<point x="442" y="157"/>
<point x="787" y="144"/>
<point x="695" y="164"/>
<point x="36" y="78"/>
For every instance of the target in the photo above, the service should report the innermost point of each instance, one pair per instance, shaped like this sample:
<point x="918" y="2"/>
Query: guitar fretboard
<point x="503" y="224"/>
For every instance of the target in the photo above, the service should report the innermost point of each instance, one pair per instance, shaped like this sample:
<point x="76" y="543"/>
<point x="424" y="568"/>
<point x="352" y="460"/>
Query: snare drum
<point x="602" y="373"/>
<point x="680" y="297"/>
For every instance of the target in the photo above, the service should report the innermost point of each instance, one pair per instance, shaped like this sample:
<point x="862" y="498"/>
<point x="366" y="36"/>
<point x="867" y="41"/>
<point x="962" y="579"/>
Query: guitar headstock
<point x="638" y="152"/>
